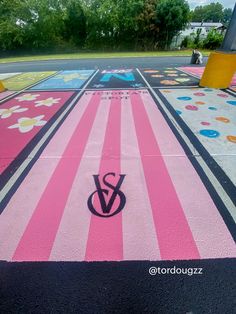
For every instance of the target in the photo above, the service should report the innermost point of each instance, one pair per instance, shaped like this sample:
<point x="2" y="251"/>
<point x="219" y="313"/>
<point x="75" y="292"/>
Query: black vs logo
<point x="107" y="209"/>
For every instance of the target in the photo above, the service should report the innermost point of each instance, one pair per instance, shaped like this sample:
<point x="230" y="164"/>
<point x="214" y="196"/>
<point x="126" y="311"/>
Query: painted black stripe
<point x="23" y="155"/>
<point x="224" y="180"/>
<point x="228" y="219"/>
<point x="229" y="91"/>
<point x="117" y="287"/>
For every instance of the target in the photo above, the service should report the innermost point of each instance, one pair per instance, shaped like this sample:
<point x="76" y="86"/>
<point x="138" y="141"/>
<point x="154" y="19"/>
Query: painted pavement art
<point x="23" y="121"/>
<point x="117" y="78"/>
<point x="112" y="184"/>
<point x="210" y="117"/>
<point x="168" y="77"/>
<point x="4" y="76"/>
<point x="65" y="80"/>
<point x="25" y="79"/>
<point x="5" y="94"/>
<point x="198" y="71"/>
<point x="104" y="176"/>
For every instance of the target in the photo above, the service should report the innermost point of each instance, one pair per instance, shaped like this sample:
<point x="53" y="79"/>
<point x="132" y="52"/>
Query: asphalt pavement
<point x="58" y="65"/>
<point x="57" y="252"/>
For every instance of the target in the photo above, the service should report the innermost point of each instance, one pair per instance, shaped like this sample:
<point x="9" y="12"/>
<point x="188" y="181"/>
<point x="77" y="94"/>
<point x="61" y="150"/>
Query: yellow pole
<point x="219" y="70"/>
<point x="2" y="88"/>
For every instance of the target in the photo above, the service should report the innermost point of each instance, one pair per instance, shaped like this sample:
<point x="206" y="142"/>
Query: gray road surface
<point x="56" y="65"/>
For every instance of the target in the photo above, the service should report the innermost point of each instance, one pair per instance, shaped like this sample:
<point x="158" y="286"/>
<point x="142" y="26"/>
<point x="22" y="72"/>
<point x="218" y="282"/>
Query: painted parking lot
<point x="116" y="165"/>
<point x="198" y="72"/>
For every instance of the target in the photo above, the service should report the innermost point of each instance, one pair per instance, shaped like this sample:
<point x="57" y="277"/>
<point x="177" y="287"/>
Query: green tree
<point x="13" y="22"/>
<point x="148" y="30"/>
<point x="213" y="40"/>
<point x="75" y="28"/>
<point x="112" y="24"/>
<point x="197" y="38"/>
<point x="227" y="16"/>
<point x="172" y="17"/>
<point x="212" y="12"/>
<point x="45" y="26"/>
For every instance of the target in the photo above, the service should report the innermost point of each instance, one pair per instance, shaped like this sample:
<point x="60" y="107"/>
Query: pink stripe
<point x="71" y="240"/>
<point x="208" y="228"/>
<point x="193" y="70"/>
<point x="21" y="205"/>
<point x="139" y="234"/>
<point x="6" y="94"/>
<point x="173" y="232"/>
<point x="105" y="234"/>
<point x="199" y="72"/>
<point x="38" y="238"/>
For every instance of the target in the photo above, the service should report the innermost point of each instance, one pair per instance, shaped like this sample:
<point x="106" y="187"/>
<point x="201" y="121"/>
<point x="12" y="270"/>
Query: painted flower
<point x="27" y="124"/>
<point x="72" y="76"/>
<point x="47" y="102"/>
<point x="27" y="97"/>
<point x="6" y="113"/>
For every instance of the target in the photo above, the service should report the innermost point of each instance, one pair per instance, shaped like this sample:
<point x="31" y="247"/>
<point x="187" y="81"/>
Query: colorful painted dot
<point x="191" y="107"/>
<point x="169" y="82"/>
<point x="212" y="108"/>
<point x="208" y="90"/>
<point x="199" y="94"/>
<point x="200" y="103"/>
<point x="157" y="75"/>
<point x="179" y="112"/>
<point x="210" y="133"/>
<point x="223" y="119"/>
<point x="151" y="71"/>
<point x="232" y="102"/>
<point x="205" y="123"/>
<point x="231" y="138"/>
<point x="170" y="71"/>
<point x="182" y="80"/>
<point x="185" y="98"/>
<point x="223" y="95"/>
<point x="166" y="91"/>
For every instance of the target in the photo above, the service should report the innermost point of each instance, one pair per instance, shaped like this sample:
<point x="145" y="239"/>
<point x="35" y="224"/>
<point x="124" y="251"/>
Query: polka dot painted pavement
<point x="211" y="116"/>
<point x="168" y="77"/>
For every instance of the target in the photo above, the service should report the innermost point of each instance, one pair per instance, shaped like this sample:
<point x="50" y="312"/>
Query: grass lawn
<point x="92" y="55"/>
